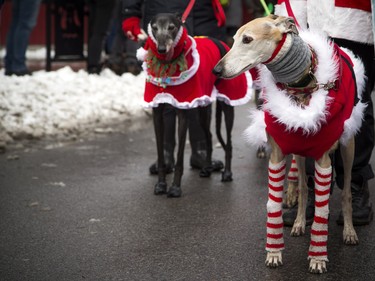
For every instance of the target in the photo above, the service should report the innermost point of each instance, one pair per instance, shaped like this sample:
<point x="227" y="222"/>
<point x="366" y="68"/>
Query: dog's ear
<point x="178" y="16"/>
<point x="287" y="24"/>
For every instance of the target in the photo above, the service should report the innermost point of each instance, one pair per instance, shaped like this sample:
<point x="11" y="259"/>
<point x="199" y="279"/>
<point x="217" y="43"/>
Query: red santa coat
<point x="195" y="86"/>
<point x="339" y="110"/>
<point x="330" y="115"/>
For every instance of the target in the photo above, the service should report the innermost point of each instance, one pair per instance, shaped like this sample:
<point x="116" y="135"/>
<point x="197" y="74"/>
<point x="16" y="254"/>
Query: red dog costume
<point x="313" y="129"/>
<point x="195" y="86"/>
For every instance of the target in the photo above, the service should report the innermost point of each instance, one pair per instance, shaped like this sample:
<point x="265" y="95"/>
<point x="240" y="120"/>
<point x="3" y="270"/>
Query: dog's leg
<point x="291" y="198"/>
<point x="319" y="230"/>
<point x="205" y="122"/>
<point x="175" y="189"/>
<point x="349" y="234"/>
<point x="161" y="185"/>
<point x="229" y="119"/>
<point x="276" y="177"/>
<point x="299" y="225"/>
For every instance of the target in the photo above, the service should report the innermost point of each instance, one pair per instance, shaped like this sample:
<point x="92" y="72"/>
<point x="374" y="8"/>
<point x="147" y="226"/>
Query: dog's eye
<point x="247" y="39"/>
<point x="154" y="27"/>
<point x="171" y="27"/>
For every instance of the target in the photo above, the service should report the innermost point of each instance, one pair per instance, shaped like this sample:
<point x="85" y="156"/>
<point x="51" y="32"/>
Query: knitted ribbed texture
<point x="293" y="171"/>
<point x="319" y="229"/>
<point x="291" y="66"/>
<point x="276" y="177"/>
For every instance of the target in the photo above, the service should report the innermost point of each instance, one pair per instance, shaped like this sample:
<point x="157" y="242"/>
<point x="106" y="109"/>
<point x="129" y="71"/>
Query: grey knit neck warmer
<point x="289" y="66"/>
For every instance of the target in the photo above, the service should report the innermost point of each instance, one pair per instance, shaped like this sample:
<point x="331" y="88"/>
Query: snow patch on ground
<point x="64" y="102"/>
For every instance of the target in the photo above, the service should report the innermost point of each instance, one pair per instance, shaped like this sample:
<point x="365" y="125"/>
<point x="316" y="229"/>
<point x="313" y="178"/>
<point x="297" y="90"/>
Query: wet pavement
<point x="86" y="211"/>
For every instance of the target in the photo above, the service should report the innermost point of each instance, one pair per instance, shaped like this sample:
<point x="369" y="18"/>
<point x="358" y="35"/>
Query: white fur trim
<point x="256" y="134"/>
<point x="141" y="54"/>
<point x="245" y="99"/>
<point x="351" y="24"/>
<point x="168" y="98"/>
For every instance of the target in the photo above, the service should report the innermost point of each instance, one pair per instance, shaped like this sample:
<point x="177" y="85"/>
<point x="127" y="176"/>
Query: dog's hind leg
<point x="161" y="185"/>
<point x="319" y="230"/>
<point x="175" y="189"/>
<point x="349" y="234"/>
<point x="291" y="198"/>
<point x="205" y="122"/>
<point x="299" y="225"/>
<point x="228" y="111"/>
<point x="276" y="177"/>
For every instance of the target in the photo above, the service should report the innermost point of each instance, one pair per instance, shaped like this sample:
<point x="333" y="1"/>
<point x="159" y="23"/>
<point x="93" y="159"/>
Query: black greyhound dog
<point x="179" y="75"/>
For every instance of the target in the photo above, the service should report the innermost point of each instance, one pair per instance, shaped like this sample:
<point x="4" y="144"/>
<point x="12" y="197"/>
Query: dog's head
<point x="254" y="43"/>
<point x="164" y="30"/>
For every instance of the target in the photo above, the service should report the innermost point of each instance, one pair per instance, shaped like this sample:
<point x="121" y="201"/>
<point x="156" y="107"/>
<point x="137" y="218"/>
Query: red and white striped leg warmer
<point x="293" y="171"/>
<point x="276" y="177"/>
<point x="319" y="229"/>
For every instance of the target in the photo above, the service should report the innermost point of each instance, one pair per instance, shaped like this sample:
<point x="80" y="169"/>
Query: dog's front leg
<point x="161" y="185"/>
<point x="276" y="177"/>
<point x="175" y="189"/>
<point x="347" y="154"/>
<point x="299" y="225"/>
<point x="319" y="230"/>
<point x="205" y="122"/>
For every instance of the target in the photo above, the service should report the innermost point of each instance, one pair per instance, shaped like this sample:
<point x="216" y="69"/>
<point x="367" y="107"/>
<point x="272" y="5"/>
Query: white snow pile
<point x="64" y="102"/>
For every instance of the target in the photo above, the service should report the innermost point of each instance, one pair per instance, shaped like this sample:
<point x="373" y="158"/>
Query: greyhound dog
<point x="311" y="105"/>
<point x="179" y="75"/>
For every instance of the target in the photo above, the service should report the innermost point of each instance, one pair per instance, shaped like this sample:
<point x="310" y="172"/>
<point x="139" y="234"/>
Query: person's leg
<point x="364" y="142"/>
<point x="26" y="14"/>
<point x="101" y="12"/>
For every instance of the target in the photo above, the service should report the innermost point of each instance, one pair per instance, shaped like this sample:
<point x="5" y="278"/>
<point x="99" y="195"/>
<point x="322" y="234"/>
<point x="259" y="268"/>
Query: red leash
<point x="290" y="12"/>
<point x="187" y="11"/>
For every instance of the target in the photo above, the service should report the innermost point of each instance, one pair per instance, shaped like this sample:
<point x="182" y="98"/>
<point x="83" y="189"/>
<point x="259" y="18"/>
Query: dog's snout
<point x="218" y="69"/>
<point x="162" y="49"/>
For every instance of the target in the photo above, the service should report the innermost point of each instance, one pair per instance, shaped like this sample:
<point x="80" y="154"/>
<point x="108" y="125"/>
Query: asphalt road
<point x="86" y="211"/>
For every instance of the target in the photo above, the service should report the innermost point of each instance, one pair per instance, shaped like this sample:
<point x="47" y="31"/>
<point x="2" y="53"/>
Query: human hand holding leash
<point x="133" y="30"/>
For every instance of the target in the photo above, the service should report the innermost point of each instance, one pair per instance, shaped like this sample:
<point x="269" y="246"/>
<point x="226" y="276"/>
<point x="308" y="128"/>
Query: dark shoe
<point x="94" y="69"/>
<point x="169" y="164"/>
<point x="197" y="161"/>
<point x="18" y="73"/>
<point x="289" y="216"/>
<point x="160" y="188"/>
<point x="362" y="209"/>
<point x="174" y="191"/>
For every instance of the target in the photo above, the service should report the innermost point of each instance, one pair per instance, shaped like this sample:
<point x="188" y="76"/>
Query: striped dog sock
<point x="319" y="229"/>
<point x="276" y="177"/>
<point x="293" y="171"/>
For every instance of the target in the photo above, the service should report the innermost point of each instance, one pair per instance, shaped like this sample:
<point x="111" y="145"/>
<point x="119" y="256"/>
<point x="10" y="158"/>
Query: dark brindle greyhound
<point x="179" y="74"/>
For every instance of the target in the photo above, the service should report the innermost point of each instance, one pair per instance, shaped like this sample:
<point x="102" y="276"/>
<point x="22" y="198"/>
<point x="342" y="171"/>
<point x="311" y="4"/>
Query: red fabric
<point x="133" y="25"/>
<point x="314" y="145"/>
<point x="219" y="12"/>
<point x="364" y="5"/>
<point x="202" y="83"/>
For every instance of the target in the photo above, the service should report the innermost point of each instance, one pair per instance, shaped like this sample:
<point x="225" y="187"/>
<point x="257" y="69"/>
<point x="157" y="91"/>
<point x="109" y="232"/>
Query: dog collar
<point x="278" y="48"/>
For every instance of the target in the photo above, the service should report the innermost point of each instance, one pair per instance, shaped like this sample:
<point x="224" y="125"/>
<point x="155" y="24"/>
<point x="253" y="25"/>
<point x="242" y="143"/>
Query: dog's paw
<point x="298" y="228"/>
<point x="274" y="259"/>
<point x="350" y="236"/>
<point x="317" y="266"/>
<point x="205" y="172"/>
<point x="226" y="176"/>
<point x="174" y="191"/>
<point x="160" y="188"/>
